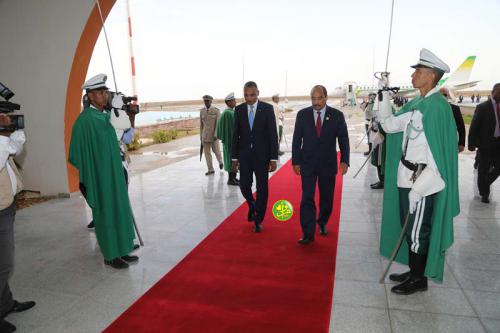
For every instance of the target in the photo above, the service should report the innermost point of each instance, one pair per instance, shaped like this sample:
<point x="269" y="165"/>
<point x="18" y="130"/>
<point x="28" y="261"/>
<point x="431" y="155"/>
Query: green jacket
<point x="441" y="133"/>
<point x="224" y="132"/>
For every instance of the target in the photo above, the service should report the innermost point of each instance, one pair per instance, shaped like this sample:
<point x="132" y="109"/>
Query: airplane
<point x="458" y="80"/>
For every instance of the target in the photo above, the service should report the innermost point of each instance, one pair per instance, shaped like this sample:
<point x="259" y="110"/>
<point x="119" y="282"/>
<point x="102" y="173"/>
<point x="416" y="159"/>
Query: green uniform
<point x="225" y="134"/>
<point x="440" y="131"/>
<point x="94" y="151"/>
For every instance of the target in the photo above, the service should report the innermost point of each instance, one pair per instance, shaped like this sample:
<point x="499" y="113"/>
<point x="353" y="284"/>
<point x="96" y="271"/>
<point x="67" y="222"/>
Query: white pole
<point x="131" y="51"/>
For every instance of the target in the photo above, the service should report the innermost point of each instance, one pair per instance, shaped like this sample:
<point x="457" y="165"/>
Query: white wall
<point x="38" y="39"/>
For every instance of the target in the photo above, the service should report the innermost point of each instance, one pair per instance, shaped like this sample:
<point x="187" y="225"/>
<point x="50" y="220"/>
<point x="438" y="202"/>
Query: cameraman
<point x="94" y="150"/>
<point x="11" y="143"/>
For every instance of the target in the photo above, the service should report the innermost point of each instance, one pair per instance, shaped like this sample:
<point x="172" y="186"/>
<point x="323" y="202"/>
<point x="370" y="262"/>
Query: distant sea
<point x="155" y="117"/>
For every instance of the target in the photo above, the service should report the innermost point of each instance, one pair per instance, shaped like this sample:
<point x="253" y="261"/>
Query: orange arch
<point x="76" y="78"/>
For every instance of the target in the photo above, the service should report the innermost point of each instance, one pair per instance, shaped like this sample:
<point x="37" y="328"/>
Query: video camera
<point x="118" y="101"/>
<point x="16" y="121"/>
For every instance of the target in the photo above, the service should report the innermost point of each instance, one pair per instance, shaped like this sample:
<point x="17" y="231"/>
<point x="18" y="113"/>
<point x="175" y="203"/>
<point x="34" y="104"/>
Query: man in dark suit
<point x="484" y="134"/>
<point x="254" y="150"/>
<point x="459" y="120"/>
<point x="314" y="158"/>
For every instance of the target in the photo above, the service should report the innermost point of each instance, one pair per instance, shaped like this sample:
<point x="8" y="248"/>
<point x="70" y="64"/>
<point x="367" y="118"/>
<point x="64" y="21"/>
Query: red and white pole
<point x="131" y="50"/>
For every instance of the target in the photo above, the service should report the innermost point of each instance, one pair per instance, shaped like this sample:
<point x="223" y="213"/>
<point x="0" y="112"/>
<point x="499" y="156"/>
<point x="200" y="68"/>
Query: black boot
<point x="417" y="281"/>
<point x="377" y="186"/>
<point x="366" y="153"/>
<point x="232" y="179"/>
<point x="6" y="327"/>
<point x="399" y="277"/>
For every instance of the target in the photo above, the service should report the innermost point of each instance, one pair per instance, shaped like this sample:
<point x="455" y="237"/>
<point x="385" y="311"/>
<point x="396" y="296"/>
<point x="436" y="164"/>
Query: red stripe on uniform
<point x="130" y="27"/>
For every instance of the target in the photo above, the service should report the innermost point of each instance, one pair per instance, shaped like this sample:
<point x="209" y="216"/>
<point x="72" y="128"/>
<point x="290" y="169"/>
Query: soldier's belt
<point x="417" y="168"/>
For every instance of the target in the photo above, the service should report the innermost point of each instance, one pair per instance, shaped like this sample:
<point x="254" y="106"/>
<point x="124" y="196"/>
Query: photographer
<point x="11" y="143"/>
<point x="94" y="150"/>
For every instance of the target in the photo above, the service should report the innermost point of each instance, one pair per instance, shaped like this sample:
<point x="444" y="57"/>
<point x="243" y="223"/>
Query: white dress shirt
<point x="322" y="113"/>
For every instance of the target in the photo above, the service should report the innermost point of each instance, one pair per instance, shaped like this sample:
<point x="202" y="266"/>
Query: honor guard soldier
<point x="209" y="116"/>
<point x="421" y="181"/>
<point x="225" y="134"/>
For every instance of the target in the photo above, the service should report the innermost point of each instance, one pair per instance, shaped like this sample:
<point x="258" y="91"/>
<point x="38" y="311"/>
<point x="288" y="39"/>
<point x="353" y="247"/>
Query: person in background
<point x="459" y="120"/>
<point x="225" y="134"/>
<point x="209" y="116"/>
<point x="484" y="135"/>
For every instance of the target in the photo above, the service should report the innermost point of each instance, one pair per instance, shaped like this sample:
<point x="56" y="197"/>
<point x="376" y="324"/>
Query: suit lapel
<point x="326" y="121"/>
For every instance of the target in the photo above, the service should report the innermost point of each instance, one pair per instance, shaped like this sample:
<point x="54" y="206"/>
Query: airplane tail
<point x="462" y="73"/>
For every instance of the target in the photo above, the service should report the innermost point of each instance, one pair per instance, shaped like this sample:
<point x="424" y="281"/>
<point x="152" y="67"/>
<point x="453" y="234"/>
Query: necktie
<point x="318" y="124"/>
<point x="251" y="117"/>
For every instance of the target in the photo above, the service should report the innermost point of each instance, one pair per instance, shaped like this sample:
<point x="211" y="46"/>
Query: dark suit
<point x="481" y="135"/>
<point x="459" y="121"/>
<point x="254" y="149"/>
<point x="317" y="158"/>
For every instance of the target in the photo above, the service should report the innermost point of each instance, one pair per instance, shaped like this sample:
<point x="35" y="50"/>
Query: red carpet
<point x="237" y="281"/>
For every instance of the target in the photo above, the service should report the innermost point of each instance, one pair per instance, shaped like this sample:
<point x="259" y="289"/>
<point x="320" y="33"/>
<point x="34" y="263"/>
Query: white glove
<point x="413" y="198"/>
<point x="117" y="101"/>
<point x="377" y="139"/>
<point x="385" y="108"/>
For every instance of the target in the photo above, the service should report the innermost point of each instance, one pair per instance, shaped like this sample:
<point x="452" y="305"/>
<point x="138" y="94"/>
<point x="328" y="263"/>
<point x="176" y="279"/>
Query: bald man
<point x="314" y="159"/>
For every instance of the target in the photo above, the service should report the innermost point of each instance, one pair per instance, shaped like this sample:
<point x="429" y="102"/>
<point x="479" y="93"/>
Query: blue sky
<point x="185" y="49"/>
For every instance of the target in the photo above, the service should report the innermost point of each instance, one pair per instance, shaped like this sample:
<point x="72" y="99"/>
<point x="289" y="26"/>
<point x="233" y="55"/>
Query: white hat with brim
<point x="97" y="82"/>
<point x="229" y="97"/>
<point x="430" y="60"/>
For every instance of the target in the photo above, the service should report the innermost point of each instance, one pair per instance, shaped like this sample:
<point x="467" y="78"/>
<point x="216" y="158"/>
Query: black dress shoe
<point x="399" y="277"/>
<point x="411" y="285"/>
<point x="485" y="199"/>
<point x="258" y="228"/>
<point x="322" y="230"/>
<point x="280" y="153"/>
<point x="128" y="258"/>
<point x="233" y="182"/>
<point x="366" y="153"/>
<point x="208" y="173"/>
<point x="251" y="214"/>
<point x="20" y="307"/>
<point x="221" y="166"/>
<point x="116" y="263"/>
<point x="6" y="327"/>
<point x="136" y="247"/>
<point x="91" y="225"/>
<point x="377" y="186"/>
<point x="305" y="240"/>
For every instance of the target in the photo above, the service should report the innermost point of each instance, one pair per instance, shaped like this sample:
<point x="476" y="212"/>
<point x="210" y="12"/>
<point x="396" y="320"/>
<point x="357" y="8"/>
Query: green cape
<point x="94" y="151"/>
<point x="441" y="133"/>
<point x="224" y="132"/>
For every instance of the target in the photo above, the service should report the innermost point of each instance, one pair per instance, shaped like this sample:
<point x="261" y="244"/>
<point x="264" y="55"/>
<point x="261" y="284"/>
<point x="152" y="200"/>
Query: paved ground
<point x="58" y="263"/>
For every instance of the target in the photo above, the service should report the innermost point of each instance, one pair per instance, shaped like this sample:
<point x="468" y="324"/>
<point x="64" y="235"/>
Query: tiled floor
<point x="59" y="265"/>
<point x="467" y="301"/>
